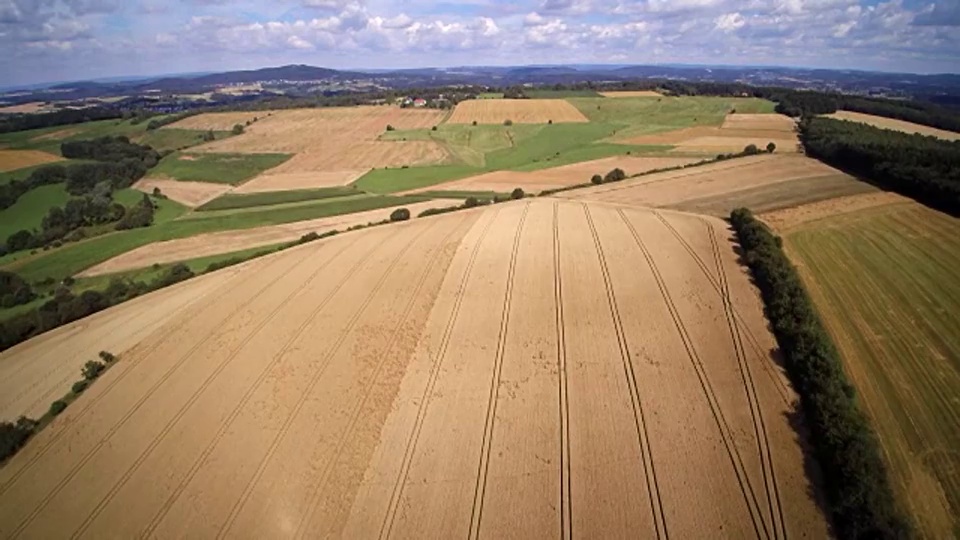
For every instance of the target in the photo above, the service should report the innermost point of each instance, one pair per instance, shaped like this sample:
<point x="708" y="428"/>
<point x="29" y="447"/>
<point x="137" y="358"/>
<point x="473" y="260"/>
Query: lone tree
<point x="237" y="129"/>
<point x="771" y="147"/>
<point x="400" y="214"/>
<point x="596" y="179"/>
<point x="615" y="175"/>
<point x="390" y="127"/>
<point x="751" y="149"/>
<point x="517" y="193"/>
<point x="508" y="122"/>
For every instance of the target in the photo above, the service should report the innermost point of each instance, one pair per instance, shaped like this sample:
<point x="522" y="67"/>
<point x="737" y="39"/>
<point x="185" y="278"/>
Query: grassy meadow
<point x="885" y="283"/>
<point x="217" y="168"/>
<point x="230" y="201"/>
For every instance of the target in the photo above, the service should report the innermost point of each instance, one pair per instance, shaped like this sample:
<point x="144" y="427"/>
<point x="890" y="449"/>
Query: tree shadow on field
<point x="811" y="467"/>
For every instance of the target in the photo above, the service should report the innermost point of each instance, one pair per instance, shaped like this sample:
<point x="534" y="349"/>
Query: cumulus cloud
<point x="730" y="22"/>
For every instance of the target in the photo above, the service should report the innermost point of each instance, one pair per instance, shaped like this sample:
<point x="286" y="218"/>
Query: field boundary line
<point x="193" y="398"/>
<point x="486" y="444"/>
<point x="171" y="499"/>
<point x="123" y="420"/>
<point x="348" y="431"/>
<point x="749" y="387"/>
<point x="138" y="357"/>
<point x="566" y="503"/>
<point x="723" y="427"/>
<point x="315" y="378"/>
<point x="751" y="337"/>
<point x="636" y="404"/>
<point x="387" y="526"/>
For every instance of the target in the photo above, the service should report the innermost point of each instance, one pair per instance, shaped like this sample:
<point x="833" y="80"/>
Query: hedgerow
<point x="854" y="475"/>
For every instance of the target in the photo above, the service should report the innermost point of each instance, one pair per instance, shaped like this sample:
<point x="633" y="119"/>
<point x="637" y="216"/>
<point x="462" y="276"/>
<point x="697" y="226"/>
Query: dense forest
<point x="854" y="475"/>
<point x="924" y="168"/>
<point x="63" y="117"/>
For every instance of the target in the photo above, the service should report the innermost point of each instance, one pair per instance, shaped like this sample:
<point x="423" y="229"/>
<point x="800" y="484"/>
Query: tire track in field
<point x="566" y="511"/>
<point x="643" y="436"/>
<point x="138" y="357"/>
<point x="321" y="369"/>
<point x="148" y="451"/>
<point x="751" y="337"/>
<point x="749" y="495"/>
<point x="112" y="431"/>
<point x="103" y="441"/>
<point x="756" y="411"/>
<point x="387" y="526"/>
<point x="483" y="467"/>
<point x="349" y="429"/>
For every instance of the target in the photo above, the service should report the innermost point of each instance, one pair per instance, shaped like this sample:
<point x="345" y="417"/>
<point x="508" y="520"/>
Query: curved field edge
<point x="883" y="279"/>
<point x="855" y="476"/>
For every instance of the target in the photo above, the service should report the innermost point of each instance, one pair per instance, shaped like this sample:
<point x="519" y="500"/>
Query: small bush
<point x="79" y="386"/>
<point x="474" y="122"/>
<point x="508" y="122"/>
<point x="92" y="369"/>
<point x="237" y="129"/>
<point x="516" y="194"/>
<point x="14" y="435"/>
<point x="400" y="214"/>
<point x="771" y="147"/>
<point x="615" y="175"/>
<point x="309" y="237"/>
<point x="471" y="202"/>
<point x="549" y="121"/>
<point x="596" y="179"/>
<point x="57" y="407"/>
<point x="434" y="128"/>
<point x="107" y="357"/>
<point x="751" y="149"/>
<point x="390" y="128"/>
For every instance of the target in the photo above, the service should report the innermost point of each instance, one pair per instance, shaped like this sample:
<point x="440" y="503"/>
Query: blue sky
<point x="55" y="40"/>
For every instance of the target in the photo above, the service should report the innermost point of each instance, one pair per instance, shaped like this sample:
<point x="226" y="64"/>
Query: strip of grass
<point x="560" y="94"/>
<point x="176" y="139"/>
<point x="29" y="210"/>
<point x="455" y="194"/>
<point x="248" y="200"/>
<point x="72" y="258"/>
<point x="490" y="95"/>
<point x="884" y="280"/>
<point x="217" y="168"/>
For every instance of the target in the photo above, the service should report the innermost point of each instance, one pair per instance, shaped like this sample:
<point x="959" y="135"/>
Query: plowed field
<point x="331" y="147"/>
<point x="518" y="111"/>
<point x="11" y="160"/>
<point x="763" y="183"/>
<point x="527" y="370"/>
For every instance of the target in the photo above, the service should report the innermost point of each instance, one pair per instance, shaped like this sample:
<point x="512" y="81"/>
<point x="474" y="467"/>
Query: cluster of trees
<point x="854" y="475"/>
<point x="803" y="103"/>
<point x="924" y="168"/>
<point x="62" y="117"/>
<point x="14" y="291"/>
<point x="109" y="149"/>
<point x="157" y="123"/>
<point x="615" y="175"/>
<point x="65" y="306"/>
<point x="139" y="215"/>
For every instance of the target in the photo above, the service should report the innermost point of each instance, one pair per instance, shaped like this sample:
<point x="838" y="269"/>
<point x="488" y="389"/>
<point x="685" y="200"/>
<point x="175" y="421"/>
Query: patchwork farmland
<point x="521" y="111"/>
<point x="558" y="341"/>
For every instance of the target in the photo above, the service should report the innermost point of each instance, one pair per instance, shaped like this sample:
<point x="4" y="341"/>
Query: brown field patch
<point x="731" y="144"/>
<point x="786" y="218"/>
<point x="765" y="183"/>
<point x="561" y="366"/>
<point x="221" y="121"/>
<point x="737" y="131"/>
<point x="273" y="181"/>
<point x="519" y="111"/>
<point x="205" y="245"/>
<point x="566" y="175"/>
<point x="24" y="108"/>
<point x="896" y="125"/>
<point x="191" y="194"/>
<point x="760" y="122"/>
<point x="630" y="94"/>
<point x="11" y="160"/>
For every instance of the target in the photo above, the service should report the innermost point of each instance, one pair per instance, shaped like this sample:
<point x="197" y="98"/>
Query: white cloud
<point x="730" y="22"/>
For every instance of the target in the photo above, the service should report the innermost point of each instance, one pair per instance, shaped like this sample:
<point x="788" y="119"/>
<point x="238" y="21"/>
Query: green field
<point x="72" y="258"/>
<point x="490" y="95"/>
<point x="249" y="200"/>
<point x="885" y="282"/>
<point x="560" y="94"/>
<point x="176" y="139"/>
<point x="218" y="168"/>
<point x="30" y="209"/>
<point x="448" y="194"/>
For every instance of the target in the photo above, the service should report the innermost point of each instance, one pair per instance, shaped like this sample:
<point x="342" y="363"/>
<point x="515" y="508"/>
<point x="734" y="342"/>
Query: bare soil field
<point x="566" y="175"/>
<point x="191" y="194"/>
<point x="764" y="183"/>
<point x="24" y="108"/>
<point x="11" y="160"/>
<point x="631" y="94"/>
<point x="204" y="245"/>
<point x="738" y="130"/>
<point x="787" y="218"/>
<point x="519" y="111"/>
<point x="221" y="121"/>
<point x="530" y="369"/>
<point x="331" y="147"/>
<point x="896" y="125"/>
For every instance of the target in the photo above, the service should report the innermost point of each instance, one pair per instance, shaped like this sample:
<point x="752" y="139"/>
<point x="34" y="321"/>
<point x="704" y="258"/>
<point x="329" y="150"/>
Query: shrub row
<point x="471" y="202"/>
<point x="854" y="475"/>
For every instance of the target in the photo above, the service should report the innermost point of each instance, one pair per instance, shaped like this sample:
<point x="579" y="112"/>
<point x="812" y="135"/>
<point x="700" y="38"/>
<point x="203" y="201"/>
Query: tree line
<point x="63" y="117"/>
<point x="854" y="474"/>
<point x="924" y="168"/>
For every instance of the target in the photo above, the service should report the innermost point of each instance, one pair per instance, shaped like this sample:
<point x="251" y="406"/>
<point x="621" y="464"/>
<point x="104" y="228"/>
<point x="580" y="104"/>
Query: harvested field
<point x="896" y="125"/>
<point x="222" y="121"/>
<point x="190" y="194"/>
<point x="331" y="147"/>
<point x="764" y="183"/>
<point x="776" y="123"/>
<point x="530" y="369"/>
<point x="24" y="108"/>
<point x="884" y="279"/>
<point x="11" y="160"/>
<point x="203" y="245"/>
<point x="738" y="131"/>
<point x="519" y="111"/>
<point x="631" y="94"/>
<point x="787" y="218"/>
<point x="567" y="175"/>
